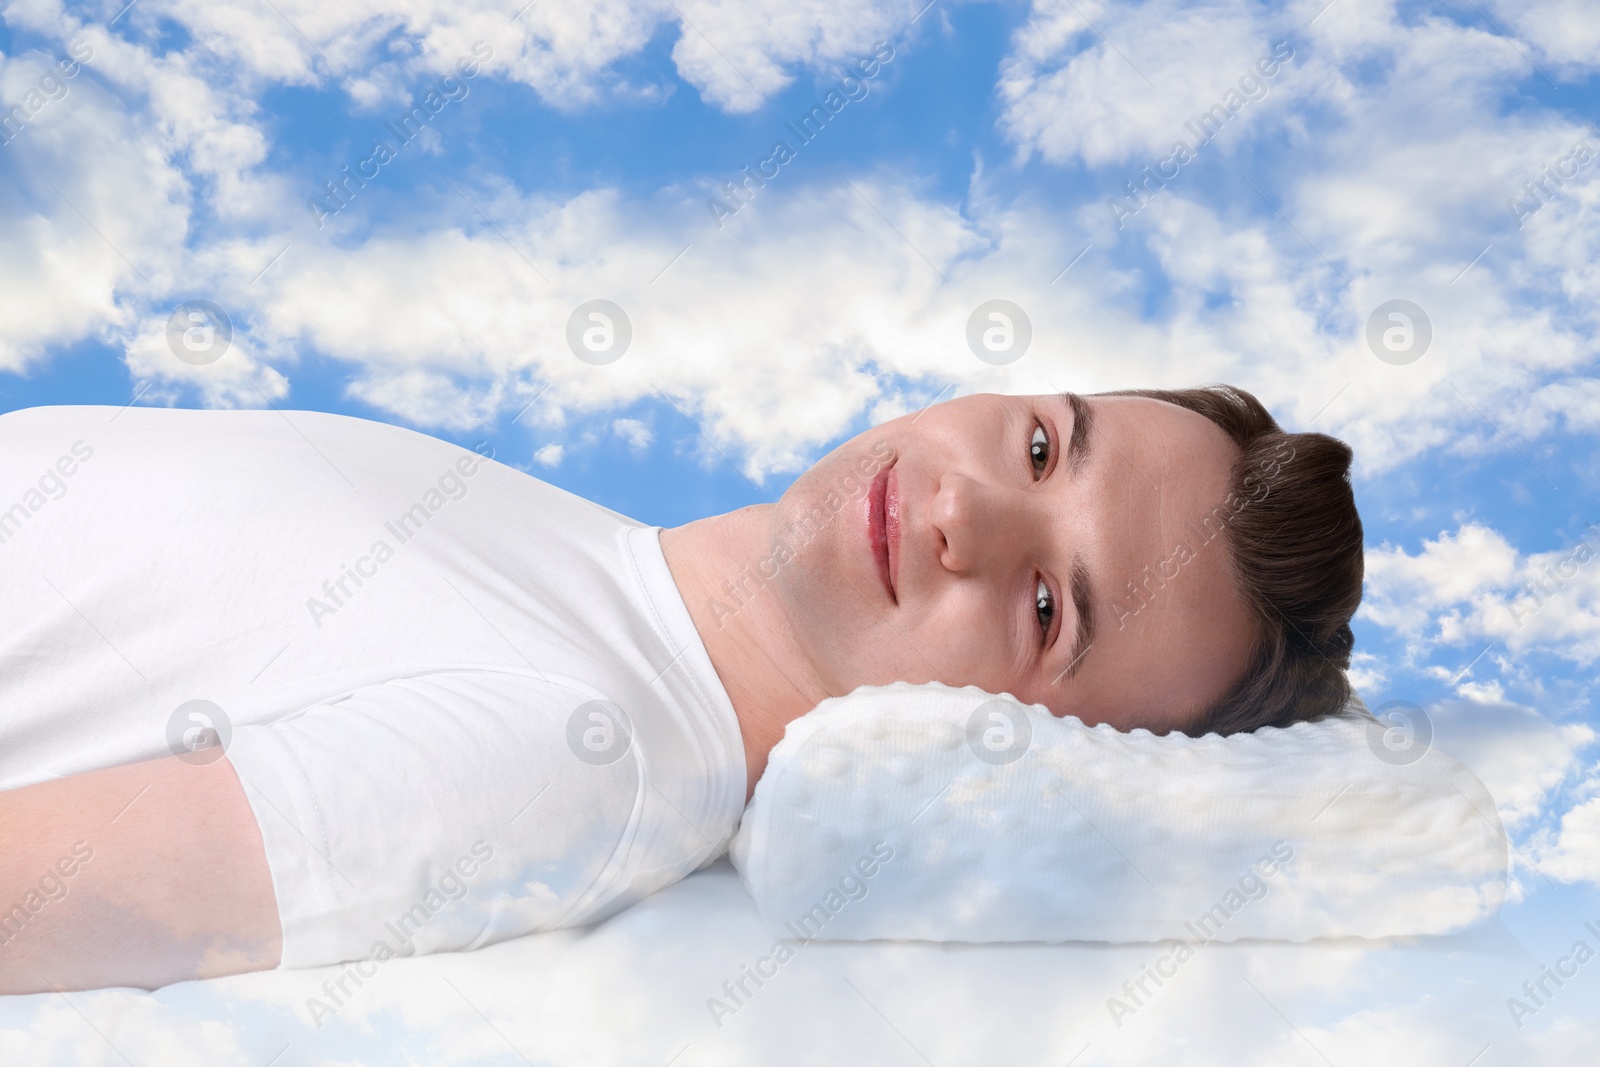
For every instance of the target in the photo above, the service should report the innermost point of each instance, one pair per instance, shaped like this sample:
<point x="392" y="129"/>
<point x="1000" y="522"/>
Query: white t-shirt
<point x="465" y="704"/>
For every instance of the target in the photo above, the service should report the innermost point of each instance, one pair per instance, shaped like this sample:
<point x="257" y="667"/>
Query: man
<point x="414" y="701"/>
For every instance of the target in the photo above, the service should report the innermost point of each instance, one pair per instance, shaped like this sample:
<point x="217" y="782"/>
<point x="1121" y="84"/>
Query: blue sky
<point x="1380" y="162"/>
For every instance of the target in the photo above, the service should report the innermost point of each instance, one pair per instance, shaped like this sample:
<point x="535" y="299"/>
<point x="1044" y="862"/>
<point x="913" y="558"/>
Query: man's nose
<point x="979" y="525"/>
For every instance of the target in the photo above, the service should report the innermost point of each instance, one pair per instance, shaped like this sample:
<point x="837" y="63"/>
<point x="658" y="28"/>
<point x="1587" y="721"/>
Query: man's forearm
<point x="139" y="875"/>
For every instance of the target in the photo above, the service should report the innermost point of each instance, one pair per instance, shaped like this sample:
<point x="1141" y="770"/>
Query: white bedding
<point x="634" y="990"/>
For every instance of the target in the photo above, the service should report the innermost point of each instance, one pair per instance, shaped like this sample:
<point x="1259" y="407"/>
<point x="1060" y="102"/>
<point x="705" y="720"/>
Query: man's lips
<point x="883" y="527"/>
<point x="891" y="529"/>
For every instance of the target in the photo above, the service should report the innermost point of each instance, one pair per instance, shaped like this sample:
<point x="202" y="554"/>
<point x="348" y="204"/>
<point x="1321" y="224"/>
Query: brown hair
<point x="1296" y="551"/>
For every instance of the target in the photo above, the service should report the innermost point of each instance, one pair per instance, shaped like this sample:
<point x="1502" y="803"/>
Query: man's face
<point x="1065" y="554"/>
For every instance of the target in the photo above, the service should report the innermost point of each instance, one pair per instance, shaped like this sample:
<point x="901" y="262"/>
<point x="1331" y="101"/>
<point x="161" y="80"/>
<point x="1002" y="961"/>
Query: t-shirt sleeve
<point x="443" y="811"/>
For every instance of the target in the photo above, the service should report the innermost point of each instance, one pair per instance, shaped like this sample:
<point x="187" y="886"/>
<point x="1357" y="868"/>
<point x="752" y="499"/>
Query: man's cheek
<point x="949" y="642"/>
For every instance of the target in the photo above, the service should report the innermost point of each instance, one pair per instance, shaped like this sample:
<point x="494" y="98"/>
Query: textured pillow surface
<point x="927" y="812"/>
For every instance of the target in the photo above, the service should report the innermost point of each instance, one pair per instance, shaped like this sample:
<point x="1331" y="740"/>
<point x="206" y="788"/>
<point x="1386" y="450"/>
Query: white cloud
<point x="735" y="53"/>
<point x="550" y="455"/>
<point x="1473" y="585"/>
<point x="1565" y="32"/>
<point x="237" y="379"/>
<point x="1116" y="83"/>
<point x="447" y="325"/>
<point x="62" y="256"/>
<point x="1366" y="672"/>
<point x="635" y="433"/>
<point x="1520" y="755"/>
<point x="430" y="398"/>
<point x="738" y="52"/>
<point x="1490" y="692"/>
<point x="731" y="332"/>
<point x="142" y="1028"/>
<point x="1387" y="158"/>
<point x="1575" y="854"/>
<point x="1405" y="591"/>
<point x="379" y="53"/>
<point x="664" y="957"/>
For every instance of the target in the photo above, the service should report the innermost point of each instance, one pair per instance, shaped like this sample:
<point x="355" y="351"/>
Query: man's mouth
<point x="883" y="527"/>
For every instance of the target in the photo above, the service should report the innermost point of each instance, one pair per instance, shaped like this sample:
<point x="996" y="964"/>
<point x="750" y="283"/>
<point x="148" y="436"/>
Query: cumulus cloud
<point x="635" y="433"/>
<point x="735" y="54"/>
<point x="1574" y="855"/>
<point x="1111" y="83"/>
<point x="72" y="244"/>
<point x="735" y="332"/>
<point x="1564" y="33"/>
<point x="450" y="322"/>
<point x="1473" y="585"/>
<point x="1382" y="161"/>
<point x="738" y="53"/>
<point x="1366" y="672"/>
<point x="1519" y="754"/>
<point x="1230" y="1004"/>
<point x="1405" y="591"/>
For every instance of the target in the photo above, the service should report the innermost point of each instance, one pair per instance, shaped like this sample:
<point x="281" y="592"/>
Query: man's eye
<point x="1039" y="450"/>
<point x="1045" y="606"/>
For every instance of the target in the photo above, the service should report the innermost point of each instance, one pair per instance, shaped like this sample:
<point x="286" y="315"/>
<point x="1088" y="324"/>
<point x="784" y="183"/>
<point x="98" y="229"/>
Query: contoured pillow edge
<point x="1099" y="835"/>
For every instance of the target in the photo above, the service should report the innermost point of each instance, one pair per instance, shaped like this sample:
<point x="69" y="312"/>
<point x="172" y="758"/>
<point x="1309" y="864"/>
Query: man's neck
<point x="767" y="676"/>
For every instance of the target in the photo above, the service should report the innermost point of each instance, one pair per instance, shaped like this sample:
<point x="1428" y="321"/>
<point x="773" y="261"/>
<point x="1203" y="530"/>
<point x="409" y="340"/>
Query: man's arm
<point x="139" y="875"/>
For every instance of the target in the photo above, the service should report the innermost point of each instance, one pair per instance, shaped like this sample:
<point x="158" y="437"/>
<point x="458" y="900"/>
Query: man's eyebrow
<point x="1082" y="423"/>
<point x="1083" y="607"/>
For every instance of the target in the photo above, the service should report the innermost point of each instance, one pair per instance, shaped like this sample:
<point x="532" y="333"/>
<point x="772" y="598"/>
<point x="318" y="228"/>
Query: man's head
<point x="1171" y="560"/>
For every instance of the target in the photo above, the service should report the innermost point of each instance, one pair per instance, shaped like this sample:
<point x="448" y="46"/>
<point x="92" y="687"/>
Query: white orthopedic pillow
<point x="893" y="813"/>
